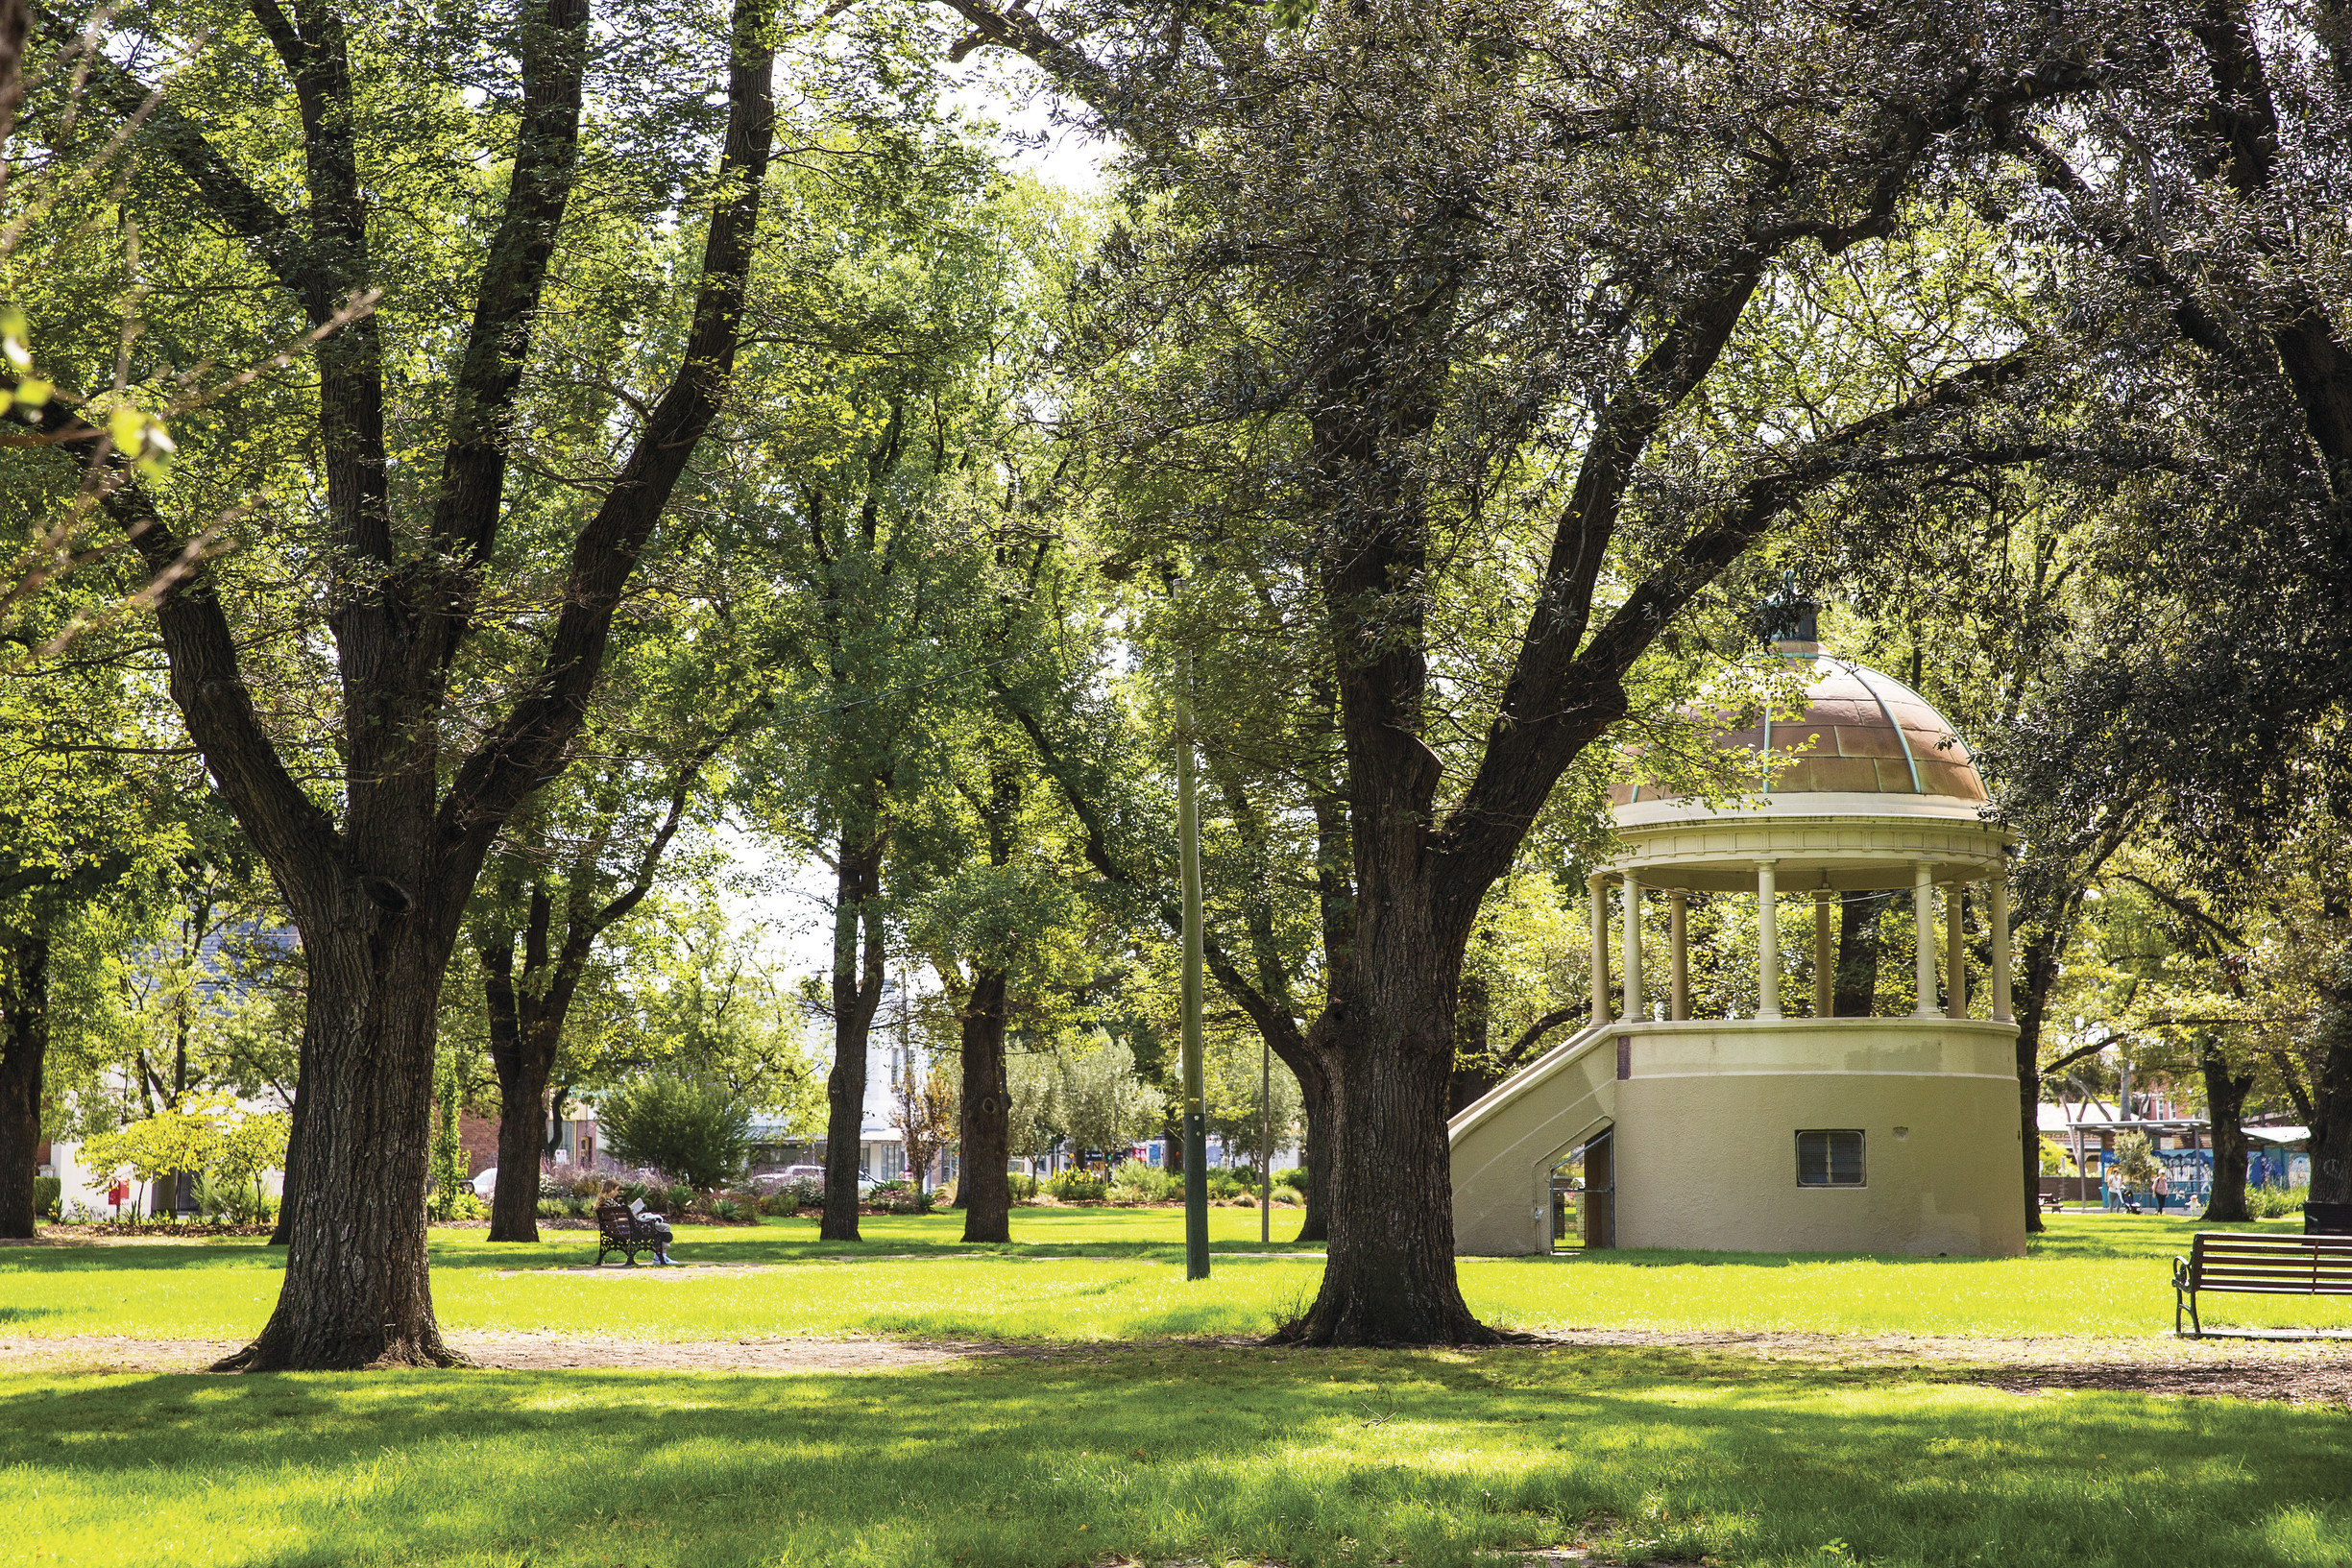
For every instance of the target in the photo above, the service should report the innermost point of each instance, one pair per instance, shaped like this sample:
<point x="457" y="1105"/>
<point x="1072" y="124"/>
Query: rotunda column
<point x="1955" y="949"/>
<point x="1598" y="884"/>
<point x="1633" y="948"/>
<point x="1767" y="944"/>
<point x="1677" y="944"/>
<point x="1923" y="933"/>
<point x="1999" y="915"/>
<point x="1824" y="991"/>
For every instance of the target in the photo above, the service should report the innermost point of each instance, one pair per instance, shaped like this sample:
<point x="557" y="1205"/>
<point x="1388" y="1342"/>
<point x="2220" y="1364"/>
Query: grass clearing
<point x="1090" y="1274"/>
<point x="1308" y="1459"/>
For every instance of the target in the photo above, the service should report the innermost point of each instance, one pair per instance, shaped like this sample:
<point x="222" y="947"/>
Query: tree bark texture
<point x="859" y="970"/>
<point x="24" y="1051"/>
<point x="289" y="1193"/>
<point x="2225" y="1096"/>
<point x="1390" y="1274"/>
<point x="2331" y="1094"/>
<point x="1316" y="1111"/>
<point x="357" y="1291"/>
<point x="982" y="1188"/>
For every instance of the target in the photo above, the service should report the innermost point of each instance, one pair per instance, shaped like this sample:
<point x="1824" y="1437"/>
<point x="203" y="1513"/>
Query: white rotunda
<point x="1792" y="1130"/>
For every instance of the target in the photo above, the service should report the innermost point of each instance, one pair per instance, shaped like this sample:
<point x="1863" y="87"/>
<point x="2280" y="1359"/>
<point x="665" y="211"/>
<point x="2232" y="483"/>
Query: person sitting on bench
<point x="655" y="1226"/>
<point x="644" y="1224"/>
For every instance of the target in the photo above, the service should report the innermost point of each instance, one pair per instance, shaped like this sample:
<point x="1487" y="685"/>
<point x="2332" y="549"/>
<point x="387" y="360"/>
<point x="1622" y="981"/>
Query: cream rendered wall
<point x="1505" y="1145"/>
<point x="1706" y="1126"/>
<point x="1708" y="1118"/>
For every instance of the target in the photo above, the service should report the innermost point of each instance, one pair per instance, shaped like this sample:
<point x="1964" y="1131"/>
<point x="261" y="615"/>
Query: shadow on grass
<point x="238" y="1252"/>
<point x="1306" y="1458"/>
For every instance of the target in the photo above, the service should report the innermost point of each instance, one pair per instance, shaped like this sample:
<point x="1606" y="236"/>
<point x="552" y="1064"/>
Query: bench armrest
<point x="2180" y="1271"/>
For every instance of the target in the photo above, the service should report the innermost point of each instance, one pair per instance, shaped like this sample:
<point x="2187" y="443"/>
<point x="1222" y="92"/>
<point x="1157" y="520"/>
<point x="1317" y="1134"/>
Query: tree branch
<point x="543" y="720"/>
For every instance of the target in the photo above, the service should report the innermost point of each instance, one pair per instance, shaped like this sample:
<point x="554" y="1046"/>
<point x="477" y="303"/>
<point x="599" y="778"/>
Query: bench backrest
<point x="2256" y="1263"/>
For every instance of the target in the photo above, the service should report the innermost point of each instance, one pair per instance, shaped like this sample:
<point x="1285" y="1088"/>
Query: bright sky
<point x="1005" y="93"/>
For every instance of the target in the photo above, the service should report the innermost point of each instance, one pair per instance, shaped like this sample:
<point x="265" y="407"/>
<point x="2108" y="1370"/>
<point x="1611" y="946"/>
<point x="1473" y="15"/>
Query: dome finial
<point x="1789" y="619"/>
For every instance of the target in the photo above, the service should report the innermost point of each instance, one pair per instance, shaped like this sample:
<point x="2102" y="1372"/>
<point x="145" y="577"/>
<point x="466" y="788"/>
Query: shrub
<point x="727" y="1209"/>
<point x="893" y="1185"/>
<point x="1225" y="1184"/>
<point x="1077" y="1187"/>
<point x="792" y="1197"/>
<point x="1023" y="1187"/>
<point x="1135" y="1182"/>
<point x="678" y="1199"/>
<point x="46" y="1192"/>
<point x="695" y="1128"/>
<point x="906" y="1201"/>
<point x="1295" y="1178"/>
<point x="2275" y="1202"/>
<point x="554" y="1208"/>
<point x="234" y="1202"/>
<point x="629" y="1191"/>
<point x="460" y="1204"/>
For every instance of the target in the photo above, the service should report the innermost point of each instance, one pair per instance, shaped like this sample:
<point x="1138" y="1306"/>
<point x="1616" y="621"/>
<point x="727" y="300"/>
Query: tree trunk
<point x="1857" y="991"/>
<point x="358" y="1289"/>
<point x="2225" y="1096"/>
<point x="282" y="1234"/>
<point x="2036" y="977"/>
<point x="24" y="1049"/>
<point x="857" y="992"/>
<point x="1389" y="1278"/>
<point x="527" y="1028"/>
<point x="982" y="1190"/>
<point x="2331" y="1096"/>
<point x="1314" y="1107"/>
<point x="523" y="1100"/>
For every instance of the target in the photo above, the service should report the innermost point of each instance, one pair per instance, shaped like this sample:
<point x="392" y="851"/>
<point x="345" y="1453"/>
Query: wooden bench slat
<point x="2225" y="1263"/>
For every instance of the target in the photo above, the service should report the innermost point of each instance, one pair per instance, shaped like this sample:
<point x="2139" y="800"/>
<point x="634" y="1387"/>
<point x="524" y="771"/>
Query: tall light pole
<point x="1195" y="1120"/>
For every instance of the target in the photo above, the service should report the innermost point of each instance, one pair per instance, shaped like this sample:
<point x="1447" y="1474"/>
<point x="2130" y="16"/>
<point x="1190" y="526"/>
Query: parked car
<point x="486" y="1184"/>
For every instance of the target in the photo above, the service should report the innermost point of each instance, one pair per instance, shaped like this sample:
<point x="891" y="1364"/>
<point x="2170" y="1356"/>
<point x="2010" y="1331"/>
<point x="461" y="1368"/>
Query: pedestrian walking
<point x="2162" y="1185"/>
<point x="2111" y="1190"/>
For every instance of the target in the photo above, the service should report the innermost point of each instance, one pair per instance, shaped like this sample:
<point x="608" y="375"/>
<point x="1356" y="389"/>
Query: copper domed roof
<point x="1862" y="733"/>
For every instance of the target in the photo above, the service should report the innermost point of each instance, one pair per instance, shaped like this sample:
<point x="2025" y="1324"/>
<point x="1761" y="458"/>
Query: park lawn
<point x="1305" y="1458"/>
<point x="1117" y="1275"/>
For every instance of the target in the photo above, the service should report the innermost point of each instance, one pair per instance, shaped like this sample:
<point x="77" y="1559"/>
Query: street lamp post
<point x="1196" y="1129"/>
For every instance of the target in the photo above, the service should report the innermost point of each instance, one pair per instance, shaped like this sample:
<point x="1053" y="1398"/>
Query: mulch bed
<point x="155" y="1228"/>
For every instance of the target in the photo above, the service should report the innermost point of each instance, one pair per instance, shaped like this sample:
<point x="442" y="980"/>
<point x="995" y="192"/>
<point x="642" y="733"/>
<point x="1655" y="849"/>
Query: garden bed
<point x="157" y="1227"/>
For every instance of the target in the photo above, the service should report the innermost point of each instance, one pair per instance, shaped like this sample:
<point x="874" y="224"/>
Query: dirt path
<point x="2301" y="1372"/>
<point x="519" y="1352"/>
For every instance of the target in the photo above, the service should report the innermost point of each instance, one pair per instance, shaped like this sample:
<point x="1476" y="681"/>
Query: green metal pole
<point x="1195" y="1122"/>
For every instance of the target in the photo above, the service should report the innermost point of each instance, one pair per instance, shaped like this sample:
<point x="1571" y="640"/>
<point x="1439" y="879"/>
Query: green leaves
<point x="691" y="1128"/>
<point x="208" y="1134"/>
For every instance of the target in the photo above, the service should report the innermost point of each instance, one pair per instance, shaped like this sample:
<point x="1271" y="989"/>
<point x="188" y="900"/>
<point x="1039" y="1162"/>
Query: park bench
<point x="618" y="1231"/>
<point x="2327" y="1219"/>
<point x="2250" y="1262"/>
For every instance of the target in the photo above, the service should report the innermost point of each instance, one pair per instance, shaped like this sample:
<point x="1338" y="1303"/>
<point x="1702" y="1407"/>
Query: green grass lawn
<point x="1117" y="1274"/>
<point x="1154" y="1452"/>
<point x="1305" y="1459"/>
